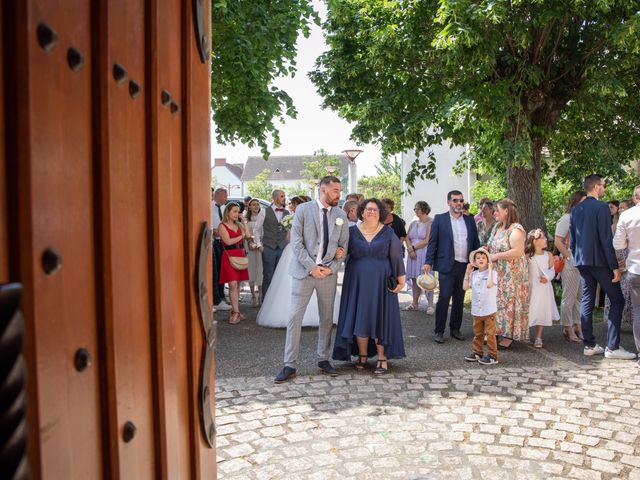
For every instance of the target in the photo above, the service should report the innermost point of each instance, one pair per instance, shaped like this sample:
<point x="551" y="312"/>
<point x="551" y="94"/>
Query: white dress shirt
<point x="459" y="238"/>
<point x="259" y="226"/>
<point x="320" y="252"/>
<point x="215" y="216"/>
<point x="483" y="299"/>
<point x="628" y="236"/>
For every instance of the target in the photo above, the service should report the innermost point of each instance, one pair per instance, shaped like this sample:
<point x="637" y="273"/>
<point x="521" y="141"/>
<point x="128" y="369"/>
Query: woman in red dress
<point x="232" y="234"/>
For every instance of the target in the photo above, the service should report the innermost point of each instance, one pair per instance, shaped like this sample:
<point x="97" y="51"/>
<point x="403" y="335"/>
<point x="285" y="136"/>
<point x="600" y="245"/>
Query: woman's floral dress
<point x="512" y="317"/>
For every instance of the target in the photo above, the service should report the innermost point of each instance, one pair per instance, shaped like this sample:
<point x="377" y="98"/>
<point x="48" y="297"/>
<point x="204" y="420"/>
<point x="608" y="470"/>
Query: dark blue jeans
<point x="591" y="276"/>
<point x="450" y="287"/>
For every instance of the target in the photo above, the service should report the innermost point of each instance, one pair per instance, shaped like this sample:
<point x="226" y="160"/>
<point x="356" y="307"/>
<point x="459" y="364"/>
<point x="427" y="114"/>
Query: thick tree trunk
<point x="523" y="187"/>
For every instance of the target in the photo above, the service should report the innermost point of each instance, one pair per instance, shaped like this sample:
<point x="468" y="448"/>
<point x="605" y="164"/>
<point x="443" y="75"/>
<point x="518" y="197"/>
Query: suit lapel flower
<point x="339" y="221"/>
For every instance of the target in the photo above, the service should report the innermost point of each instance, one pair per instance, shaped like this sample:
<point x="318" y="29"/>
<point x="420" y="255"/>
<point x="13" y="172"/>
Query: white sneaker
<point x="223" y="306"/>
<point x="591" y="351"/>
<point x="619" y="354"/>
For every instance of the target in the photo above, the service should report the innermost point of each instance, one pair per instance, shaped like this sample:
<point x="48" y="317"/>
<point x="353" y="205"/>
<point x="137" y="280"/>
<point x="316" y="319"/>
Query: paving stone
<point x="436" y="425"/>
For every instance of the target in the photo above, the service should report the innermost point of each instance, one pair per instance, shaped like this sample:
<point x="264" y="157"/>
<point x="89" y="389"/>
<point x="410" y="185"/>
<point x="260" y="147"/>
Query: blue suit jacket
<point x="591" y="239"/>
<point x="440" y="252"/>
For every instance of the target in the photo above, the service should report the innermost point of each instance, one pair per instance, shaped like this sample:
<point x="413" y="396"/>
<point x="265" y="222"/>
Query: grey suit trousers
<point x="301" y="291"/>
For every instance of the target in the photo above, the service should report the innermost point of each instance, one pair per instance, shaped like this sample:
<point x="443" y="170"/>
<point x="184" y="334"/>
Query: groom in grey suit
<point x="319" y="238"/>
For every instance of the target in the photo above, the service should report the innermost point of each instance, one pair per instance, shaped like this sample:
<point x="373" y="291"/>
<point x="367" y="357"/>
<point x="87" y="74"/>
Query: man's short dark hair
<point x="329" y="179"/>
<point x="591" y="181"/>
<point x="452" y="193"/>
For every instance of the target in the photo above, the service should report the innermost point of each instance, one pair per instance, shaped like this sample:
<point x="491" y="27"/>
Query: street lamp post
<point x="351" y="154"/>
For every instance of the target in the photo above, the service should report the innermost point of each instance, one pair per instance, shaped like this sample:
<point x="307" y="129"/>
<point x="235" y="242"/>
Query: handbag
<point x="558" y="260"/>
<point x="238" y="263"/>
<point x="392" y="280"/>
<point x="558" y="263"/>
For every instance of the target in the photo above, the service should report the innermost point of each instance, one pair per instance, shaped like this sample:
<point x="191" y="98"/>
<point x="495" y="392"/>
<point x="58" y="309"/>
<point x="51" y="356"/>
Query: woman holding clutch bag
<point x="369" y="319"/>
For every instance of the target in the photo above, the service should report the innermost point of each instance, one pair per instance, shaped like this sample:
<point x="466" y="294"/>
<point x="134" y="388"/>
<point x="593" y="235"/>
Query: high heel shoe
<point x="360" y="364"/>
<point x="379" y="370"/>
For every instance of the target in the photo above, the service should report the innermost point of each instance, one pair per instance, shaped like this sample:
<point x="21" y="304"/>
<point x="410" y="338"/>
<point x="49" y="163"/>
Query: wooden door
<point x="104" y="188"/>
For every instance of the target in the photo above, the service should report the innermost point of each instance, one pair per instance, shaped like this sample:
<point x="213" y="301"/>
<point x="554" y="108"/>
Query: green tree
<point x="389" y="167"/>
<point x="297" y="189"/>
<point x="254" y="42"/>
<point x="260" y="186"/>
<point x="509" y="79"/>
<point x="386" y="184"/>
<point x="315" y="167"/>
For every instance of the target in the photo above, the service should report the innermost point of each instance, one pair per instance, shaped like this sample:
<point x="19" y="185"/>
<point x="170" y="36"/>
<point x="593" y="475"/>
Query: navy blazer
<point x="440" y="252"/>
<point x="591" y="238"/>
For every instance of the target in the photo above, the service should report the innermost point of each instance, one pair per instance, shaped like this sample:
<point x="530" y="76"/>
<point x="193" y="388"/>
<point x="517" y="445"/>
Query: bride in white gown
<point x="275" y="309"/>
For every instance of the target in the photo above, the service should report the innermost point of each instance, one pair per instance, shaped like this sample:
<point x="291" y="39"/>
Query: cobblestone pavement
<point x="581" y="422"/>
<point x="555" y="415"/>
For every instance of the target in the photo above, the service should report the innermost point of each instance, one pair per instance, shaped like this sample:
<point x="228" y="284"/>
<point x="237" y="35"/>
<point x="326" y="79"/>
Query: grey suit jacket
<point x="306" y="240"/>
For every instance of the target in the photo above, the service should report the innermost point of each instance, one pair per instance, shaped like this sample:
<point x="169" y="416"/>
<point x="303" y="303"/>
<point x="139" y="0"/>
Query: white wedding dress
<point x="275" y="309"/>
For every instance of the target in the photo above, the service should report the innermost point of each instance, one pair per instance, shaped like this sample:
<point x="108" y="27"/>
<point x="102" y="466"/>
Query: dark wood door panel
<point x="56" y="167"/>
<point x="168" y="234"/>
<point x="197" y="171"/>
<point x="124" y="255"/>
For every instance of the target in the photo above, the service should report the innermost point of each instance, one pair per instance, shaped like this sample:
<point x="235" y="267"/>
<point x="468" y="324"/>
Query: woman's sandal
<point x="411" y="308"/>
<point x="537" y="343"/>
<point x="505" y="343"/>
<point x="570" y="336"/>
<point x="360" y="365"/>
<point x="379" y="370"/>
<point x="234" y="318"/>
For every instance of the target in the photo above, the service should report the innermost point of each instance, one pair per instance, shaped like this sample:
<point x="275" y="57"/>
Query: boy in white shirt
<point x="483" y="283"/>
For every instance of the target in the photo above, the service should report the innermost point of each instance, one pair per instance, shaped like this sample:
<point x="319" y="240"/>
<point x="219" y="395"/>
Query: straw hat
<point x="473" y="254"/>
<point x="426" y="281"/>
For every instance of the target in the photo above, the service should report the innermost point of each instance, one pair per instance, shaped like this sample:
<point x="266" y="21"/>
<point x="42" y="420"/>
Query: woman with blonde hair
<point x="232" y="233"/>
<point x="506" y="247"/>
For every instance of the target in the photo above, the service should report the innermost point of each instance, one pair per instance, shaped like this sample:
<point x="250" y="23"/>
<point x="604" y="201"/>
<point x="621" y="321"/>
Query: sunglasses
<point x="457" y="200"/>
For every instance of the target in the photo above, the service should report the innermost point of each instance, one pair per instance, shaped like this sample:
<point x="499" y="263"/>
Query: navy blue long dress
<point x="367" y="308"/>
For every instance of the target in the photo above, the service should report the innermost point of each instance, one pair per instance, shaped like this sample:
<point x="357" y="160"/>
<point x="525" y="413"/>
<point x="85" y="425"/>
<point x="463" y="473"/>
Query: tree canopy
<point x="534" y="87"/>
<point x="315" y="167"/>
<point x="254" y="42"/>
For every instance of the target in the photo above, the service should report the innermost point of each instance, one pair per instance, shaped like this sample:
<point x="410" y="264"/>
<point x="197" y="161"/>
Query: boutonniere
<point x="339" y="221"/>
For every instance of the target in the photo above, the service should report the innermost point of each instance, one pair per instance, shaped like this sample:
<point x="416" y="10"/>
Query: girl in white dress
<point x="254" y="253"/>
<point x="542" y="302"/>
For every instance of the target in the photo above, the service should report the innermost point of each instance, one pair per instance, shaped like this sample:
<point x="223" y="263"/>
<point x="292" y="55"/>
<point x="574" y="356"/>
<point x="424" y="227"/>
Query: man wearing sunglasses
<point x="453" y="236"/>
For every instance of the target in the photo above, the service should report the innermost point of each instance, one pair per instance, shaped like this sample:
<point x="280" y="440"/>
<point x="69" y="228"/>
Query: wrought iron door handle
<point x="209" y="330"/>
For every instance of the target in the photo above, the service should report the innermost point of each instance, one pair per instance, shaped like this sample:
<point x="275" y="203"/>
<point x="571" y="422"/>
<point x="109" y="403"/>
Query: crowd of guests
<point x="508" y="270"/>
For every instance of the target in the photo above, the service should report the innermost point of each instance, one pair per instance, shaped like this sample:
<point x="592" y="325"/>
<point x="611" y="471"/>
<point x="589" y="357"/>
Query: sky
<point x="314" y="128"/>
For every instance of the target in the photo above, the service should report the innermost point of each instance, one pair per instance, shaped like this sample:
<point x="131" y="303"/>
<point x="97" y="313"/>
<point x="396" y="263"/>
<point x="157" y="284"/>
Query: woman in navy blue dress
<point x="369" y="320"/>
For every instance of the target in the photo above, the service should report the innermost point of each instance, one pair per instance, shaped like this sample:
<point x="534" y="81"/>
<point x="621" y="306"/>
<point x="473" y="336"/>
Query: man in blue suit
<point x="453" y="236"/>
<point x="594" y="256"/>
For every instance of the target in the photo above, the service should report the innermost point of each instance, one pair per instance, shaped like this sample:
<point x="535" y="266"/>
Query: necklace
<point x="373" y="232"/>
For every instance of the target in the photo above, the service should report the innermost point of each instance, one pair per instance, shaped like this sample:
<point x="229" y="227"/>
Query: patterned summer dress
<point x="512" y="318"/>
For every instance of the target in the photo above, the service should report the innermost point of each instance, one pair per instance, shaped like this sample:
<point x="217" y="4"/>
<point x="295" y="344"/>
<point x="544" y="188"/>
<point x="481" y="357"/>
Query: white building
<point x="228" y="175"/>
<point x="434" y="192"/>
<point x="285" y="171"/>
